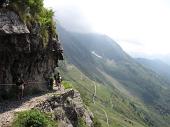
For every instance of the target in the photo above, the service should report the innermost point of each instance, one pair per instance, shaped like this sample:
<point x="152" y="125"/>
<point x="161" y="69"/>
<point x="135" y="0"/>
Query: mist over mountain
<point x="160" y="57"/>
<point x="79" y="24"/>
<point x="101" y="59"/>
<point x="131" y="93"/>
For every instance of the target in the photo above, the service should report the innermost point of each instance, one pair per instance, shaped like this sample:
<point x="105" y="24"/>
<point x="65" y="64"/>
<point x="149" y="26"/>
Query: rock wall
<point x="22" y="52"/>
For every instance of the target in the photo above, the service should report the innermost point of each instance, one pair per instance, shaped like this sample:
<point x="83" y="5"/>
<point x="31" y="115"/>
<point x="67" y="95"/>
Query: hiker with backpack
<point x="50" y="83"/>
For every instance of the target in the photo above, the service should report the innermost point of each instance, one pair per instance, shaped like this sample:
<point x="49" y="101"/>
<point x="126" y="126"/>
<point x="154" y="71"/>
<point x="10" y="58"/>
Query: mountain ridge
<point x="157" y="66"/>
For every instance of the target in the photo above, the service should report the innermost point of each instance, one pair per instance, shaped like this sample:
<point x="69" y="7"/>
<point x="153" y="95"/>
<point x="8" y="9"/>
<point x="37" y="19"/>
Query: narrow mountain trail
<point x="9" y="108"/>
<point x="95" y="96"/>
<point x="94" y="93"/>
<point x="107" y="119"/>
<point x="101" y="107"/>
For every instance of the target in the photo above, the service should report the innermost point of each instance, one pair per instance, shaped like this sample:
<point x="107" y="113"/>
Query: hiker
<point x="20" y="87"/>
<point x="50" y="83"/>
<point x="58" y="80"/>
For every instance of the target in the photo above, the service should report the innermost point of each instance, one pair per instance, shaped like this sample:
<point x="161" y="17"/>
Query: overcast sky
<point x="139" y="26"/>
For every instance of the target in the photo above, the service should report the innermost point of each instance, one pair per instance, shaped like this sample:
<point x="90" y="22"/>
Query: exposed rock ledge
<point x="67" y="108"/>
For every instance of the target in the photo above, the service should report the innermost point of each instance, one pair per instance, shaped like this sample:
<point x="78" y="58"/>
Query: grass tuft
<point x="67" y="85"/>
<point x="33" y="118"/>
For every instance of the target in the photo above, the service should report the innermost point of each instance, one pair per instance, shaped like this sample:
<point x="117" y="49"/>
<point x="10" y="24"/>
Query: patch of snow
<point x="94" y="53"/>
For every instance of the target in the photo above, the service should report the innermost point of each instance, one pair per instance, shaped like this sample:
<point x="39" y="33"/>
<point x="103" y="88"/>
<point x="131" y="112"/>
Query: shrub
<point x="67" y="85"/>
<point x="32" y="12"/>
<point x="33" y="118"/>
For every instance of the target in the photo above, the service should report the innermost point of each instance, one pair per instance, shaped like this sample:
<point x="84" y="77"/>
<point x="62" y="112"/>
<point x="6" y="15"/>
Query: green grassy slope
<point x="121" y="110"/>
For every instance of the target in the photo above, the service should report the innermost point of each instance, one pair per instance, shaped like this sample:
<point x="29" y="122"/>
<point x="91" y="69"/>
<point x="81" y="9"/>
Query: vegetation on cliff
<point x="33" y="118"/>
<point x="33" y="12"/>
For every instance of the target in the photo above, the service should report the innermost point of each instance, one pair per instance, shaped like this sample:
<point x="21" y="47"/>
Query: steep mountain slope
<point x="116" y="63"/>
<point x="103" y="61"/>
<point x="157" y="66"/>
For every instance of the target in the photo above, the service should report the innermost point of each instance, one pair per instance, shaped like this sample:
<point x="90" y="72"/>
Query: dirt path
<point x="101" y="107"/>
<point x="94" y="93"/>
<point x="107" y="119"/>
<point x="8" y="109"/>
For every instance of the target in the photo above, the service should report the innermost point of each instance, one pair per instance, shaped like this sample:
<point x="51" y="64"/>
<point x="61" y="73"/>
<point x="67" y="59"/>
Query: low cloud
<point x="73" y="20"/>
<point x="144" y="25"/>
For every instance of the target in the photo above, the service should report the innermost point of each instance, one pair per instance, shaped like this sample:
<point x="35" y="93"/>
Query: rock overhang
<point x="10" y="23"/>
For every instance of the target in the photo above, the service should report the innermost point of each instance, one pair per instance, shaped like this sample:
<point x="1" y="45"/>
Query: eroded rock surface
<point x="10" y="23"/>
<point x="67" y="108"/>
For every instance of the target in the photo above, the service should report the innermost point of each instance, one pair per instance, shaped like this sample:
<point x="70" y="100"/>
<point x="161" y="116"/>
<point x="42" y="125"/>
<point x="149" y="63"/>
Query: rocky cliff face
<point x="22" y="52"/>
<point x="68" y="109"/>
